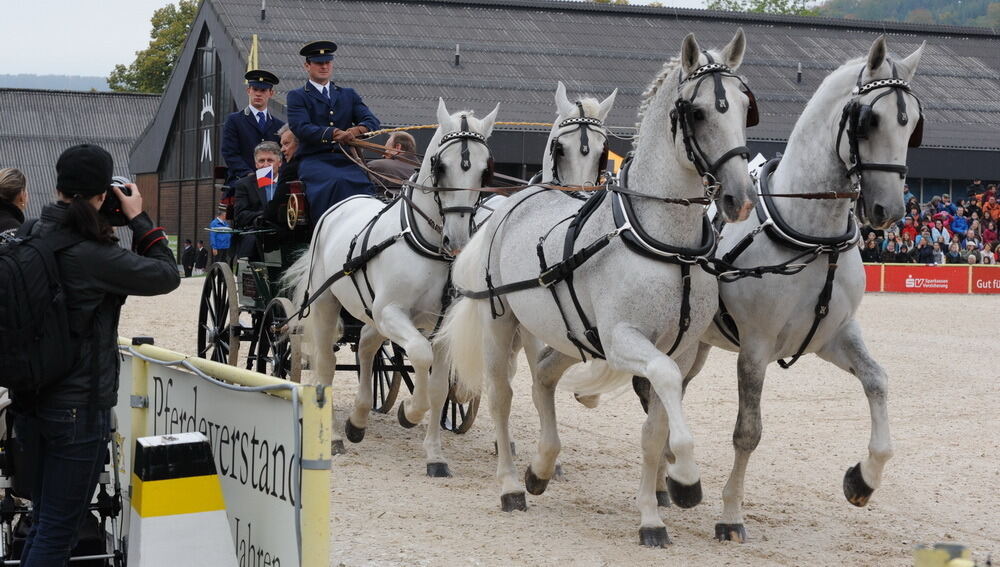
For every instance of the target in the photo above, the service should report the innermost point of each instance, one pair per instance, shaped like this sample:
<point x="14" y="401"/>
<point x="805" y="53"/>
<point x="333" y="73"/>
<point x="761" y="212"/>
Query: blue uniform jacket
<point x="219" y="241"/>
<point x="240" y="135"/>
<point x="312" y="117"/>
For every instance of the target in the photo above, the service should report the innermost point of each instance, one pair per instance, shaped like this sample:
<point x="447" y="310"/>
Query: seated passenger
<point x="399" y="146"/>
<point x="274" y="211"/>
<point x="251" y="198"/>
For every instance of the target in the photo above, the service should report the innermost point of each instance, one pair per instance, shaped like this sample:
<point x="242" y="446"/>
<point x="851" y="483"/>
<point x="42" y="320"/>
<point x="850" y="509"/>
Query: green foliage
<point x="789" y="7"/>
<point x="945" y="12"/>
<point x="151" y="69"/>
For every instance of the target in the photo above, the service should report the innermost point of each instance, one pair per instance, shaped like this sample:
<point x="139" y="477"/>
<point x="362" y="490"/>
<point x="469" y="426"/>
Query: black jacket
<point x="96" y="279"/>
<point x="248" y="204"/>
<point x="11" y="216"/>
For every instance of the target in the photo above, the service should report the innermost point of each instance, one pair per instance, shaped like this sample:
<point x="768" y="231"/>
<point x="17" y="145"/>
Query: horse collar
<point x="778" y="228"/>
<point x="412" y="235"/>
<point x="636" y="238"/>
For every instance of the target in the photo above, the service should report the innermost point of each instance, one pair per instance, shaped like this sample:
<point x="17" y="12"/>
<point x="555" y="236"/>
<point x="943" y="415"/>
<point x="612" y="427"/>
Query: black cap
<point x="261" y="79"/>
<point x="84" y="170"/>
<point x="318" y="51"/>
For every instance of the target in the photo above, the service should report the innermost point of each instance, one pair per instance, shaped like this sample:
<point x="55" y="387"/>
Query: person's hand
<point x="343" y="136"/>
<point x="131" y="204"/>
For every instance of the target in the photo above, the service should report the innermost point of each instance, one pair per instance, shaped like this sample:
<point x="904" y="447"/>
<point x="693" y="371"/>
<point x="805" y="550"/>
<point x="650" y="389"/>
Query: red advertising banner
<point x="873" y="277"/>
<point x="985" y="279"/>
<point x="918" y="278"/>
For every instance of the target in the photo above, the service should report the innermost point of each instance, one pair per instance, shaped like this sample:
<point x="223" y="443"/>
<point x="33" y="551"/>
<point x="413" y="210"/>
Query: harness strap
<point x="725" y="323"/>
<point x="822" y="309"/>
<point x="685" y="319"/>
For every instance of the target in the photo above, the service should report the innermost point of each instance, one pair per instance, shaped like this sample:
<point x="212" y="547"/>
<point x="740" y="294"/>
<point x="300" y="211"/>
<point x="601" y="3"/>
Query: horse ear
<point x="442" y="114"/>
<point x="489" y="121"/>
<point x="732" y="54"/>
<point x="876" y="55"/>
<point x="605" y="107"/>
<point x="563" y="104"/>
<point x="690" y="54"/>
<point x="908" y="67"/>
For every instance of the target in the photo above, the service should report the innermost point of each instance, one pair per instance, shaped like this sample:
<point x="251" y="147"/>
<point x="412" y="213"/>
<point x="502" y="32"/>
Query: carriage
<point x="248" y="305"/>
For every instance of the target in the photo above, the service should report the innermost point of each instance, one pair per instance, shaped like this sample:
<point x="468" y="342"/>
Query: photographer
<point x="64" y="429"/>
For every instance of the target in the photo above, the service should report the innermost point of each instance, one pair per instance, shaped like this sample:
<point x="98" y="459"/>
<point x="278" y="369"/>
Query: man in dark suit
<point x="244" y="129"/>
<point x="188" y="257"/>
<point x="323" y="115"/>
<point x="200" y="259"/>
<point x="251" y="198"/>
<point x="400" y="146"/>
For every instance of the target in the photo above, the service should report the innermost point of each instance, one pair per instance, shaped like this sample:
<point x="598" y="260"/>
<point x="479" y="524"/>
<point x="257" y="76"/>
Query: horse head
<point x="711" y="111"/>
<point x="578" y="143"/>
<point x="881" y="119"/>
<point x="458" y="157"/>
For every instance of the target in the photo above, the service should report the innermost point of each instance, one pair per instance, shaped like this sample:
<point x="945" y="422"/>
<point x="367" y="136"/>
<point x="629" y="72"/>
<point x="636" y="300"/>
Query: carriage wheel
<point x="457" y="417"/>
<point x="217" y="313"/>
<point x="279" y="350"/>
<point x="387" y="375"/>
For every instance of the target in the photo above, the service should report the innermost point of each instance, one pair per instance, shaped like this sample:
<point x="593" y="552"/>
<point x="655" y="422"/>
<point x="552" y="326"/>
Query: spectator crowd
<point x="941" y="231"/>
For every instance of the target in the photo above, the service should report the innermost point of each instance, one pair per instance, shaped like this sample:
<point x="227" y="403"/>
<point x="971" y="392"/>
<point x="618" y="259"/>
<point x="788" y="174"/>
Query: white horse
<point x="398" y="292"/>
<point x="851" y="141"/>
<point x="576" y="152"/>
<point x="642" y="305"/>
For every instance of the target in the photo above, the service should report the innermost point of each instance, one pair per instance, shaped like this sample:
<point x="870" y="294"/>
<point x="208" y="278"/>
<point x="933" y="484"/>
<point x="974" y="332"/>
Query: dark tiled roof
<point x="400" y="56"/>
<point x="37" y="125"/>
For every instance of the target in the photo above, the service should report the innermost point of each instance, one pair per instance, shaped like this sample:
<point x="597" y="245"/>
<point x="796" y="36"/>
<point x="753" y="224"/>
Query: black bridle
<point x="858" y="119"/>
<point x="583" y="124"/>
<point x="685" y="114"/>
<point x="437" y="165"/>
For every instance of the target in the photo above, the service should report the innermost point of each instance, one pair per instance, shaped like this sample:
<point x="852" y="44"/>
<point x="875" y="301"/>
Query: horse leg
<point x="848" y="351"/>
<point x="357" y="422"/>
<point x="437" y="465"/>
<point x="545" y="375"/>
<point x="322" y="329"/>
<point x="751" y="368"/>
<point x="498" y="338"/>
<point x="630" y="351"/>
<point x="696" y="363"/>
<point x="397" y="327"/>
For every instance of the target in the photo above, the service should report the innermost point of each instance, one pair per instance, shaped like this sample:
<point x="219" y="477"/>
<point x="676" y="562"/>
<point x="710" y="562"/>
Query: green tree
<point x="151" y="69"/>
<point x="920" y="16"/>
<point x="790" y="7"/>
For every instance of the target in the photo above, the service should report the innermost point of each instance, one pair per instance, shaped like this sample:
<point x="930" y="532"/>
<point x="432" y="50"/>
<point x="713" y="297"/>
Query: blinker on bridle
<point x="462" y="136"/>
<point x="858" y="119"/>
<point x="583" y="124"/>
<point x="684" y="114"/>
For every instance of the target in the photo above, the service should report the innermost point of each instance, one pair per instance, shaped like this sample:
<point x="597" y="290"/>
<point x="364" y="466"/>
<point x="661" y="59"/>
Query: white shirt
<point x="319" y="87"/>
<point x="254" y="112"/>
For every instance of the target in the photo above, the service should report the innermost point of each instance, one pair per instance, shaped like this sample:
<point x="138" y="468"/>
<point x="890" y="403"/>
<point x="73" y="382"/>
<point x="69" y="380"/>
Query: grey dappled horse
<point x="874" y="125"/>
<point x="398" y="293"/>
<point x="636" y="301"/>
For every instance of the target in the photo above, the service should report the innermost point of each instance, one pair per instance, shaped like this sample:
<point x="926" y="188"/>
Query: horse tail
<point x="296" y="277"/>
<point x="593" y="377"/>
<point x="462" y="330"/>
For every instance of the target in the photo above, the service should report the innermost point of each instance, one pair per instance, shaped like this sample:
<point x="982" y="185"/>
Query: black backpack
<point x="36" y="349"/>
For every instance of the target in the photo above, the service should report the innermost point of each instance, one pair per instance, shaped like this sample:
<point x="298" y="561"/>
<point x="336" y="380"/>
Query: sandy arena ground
<point x="942" y="485"/>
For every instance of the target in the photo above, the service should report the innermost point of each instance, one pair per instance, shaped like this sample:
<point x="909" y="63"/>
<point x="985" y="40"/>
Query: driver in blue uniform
<point x="322" y="115"/>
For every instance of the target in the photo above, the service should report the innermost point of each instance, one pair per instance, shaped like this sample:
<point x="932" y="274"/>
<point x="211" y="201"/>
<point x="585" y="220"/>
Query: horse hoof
<point x="354" y="434"/>
<point x="513" y="501"/>
<point x="337" y="447"/>
<point x="438" y="470"/>
<point x="685" y="496"/>
<point x="534" y="484"/>
<point x="641" y="388"/>
<point x="407" y="424"/>
<point x="662" y="499"/>
<point x="856" y="489"/>
<point x="557" y="475"/>
<point x="731" y="532"/>
<point x="589" y="402"/>
<point x="654" y="537"/>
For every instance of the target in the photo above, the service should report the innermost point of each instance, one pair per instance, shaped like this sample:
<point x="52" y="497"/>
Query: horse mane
<point x="647" y="97"/>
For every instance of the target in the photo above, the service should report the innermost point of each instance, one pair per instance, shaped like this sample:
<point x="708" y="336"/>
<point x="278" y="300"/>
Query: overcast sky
<point x="88" y="37"/>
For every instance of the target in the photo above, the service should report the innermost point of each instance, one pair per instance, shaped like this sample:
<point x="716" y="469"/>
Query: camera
<point x="112" y="207"/>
